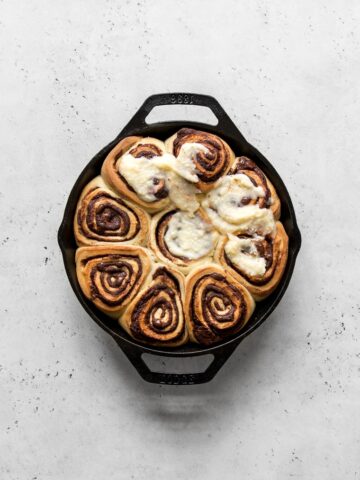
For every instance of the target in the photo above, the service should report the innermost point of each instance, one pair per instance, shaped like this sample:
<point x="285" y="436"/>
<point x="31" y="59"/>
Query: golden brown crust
<point x="209" y="166"/>
<point x="158" y="228"/>
<point x="102" y="217"/>
<point x="216" y="305"/>
<point x="249" y="168"/>
<point x="138" y="147"/>
<point x="145" y="288"/>
<point x="155" y="316"/>
<point x="275" y="251"/>
<point x="110" y="276"/>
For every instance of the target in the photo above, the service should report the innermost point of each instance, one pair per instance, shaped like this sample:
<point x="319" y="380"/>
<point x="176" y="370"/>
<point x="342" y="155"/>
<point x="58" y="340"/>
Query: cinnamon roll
<point x="258" y="262"/>
<point x="232" y="206"/>
<point x="110" y="276"/>
<point x="134" y="168"/>
<point x="216" y="305"/>
<point x="202" y="157"/>
<point x="155" y="316"/>
<point x="102" y="217"/>
<point x="270" y="198"/>
<point x="182" y="239"/>
<point x="177" y="239"/>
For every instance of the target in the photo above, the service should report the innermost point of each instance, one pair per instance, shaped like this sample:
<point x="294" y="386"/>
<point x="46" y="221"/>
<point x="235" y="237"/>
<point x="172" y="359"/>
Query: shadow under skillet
<point x="180" y="404"/>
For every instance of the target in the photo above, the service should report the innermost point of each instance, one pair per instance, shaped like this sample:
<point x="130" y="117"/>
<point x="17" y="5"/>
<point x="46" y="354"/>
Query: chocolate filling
<point x="250" y="169"/>
<point x="158" y="309"/>
<point x="147" y="150"/>
<point x="211" y="165"/>
<point x="106" y="216"/>
<point x="217" y="306"/>
<point x="116" y="275"/>
<point x="265" y="249"/>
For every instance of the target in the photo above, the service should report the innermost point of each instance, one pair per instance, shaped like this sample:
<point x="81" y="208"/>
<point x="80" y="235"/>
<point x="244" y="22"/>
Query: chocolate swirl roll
<point x="182" y="239"/>
<point x="155" y="316"/>
<point x="132" y="170"/>
<point x="110" y="276"/>
<point x="249" y="168"/>
<point x="102" y="217"/>
<point x="212" y="157"/>
<point x="258" y="262"/>
<point x="216" y="305"/>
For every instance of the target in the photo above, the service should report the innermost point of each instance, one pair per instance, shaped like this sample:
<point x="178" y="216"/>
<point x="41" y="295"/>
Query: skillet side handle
<point x="220" y="357"/>
<point x="224" y="121"/>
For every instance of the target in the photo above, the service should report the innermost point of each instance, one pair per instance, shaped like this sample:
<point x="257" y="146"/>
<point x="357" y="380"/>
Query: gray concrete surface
<point x="287" y="403"/>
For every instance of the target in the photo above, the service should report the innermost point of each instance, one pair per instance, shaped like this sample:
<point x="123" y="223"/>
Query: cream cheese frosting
<point x="226" y="206"/>
<point x="140" y="174"/>
<point x="184" y="163"/>
<point x="243" y="253"/>
<point x="176" y="172"/>
<point x="189" y="236"/>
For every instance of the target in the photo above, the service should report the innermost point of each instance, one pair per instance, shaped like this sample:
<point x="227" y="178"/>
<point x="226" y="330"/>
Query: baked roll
<point x="156" y="316"/>
<point x="204" y="156"/>
<point x="102" y="217"/>
<point x="256" y="262"/>
<point x="216" y="305"/>
<point x="270" y="199"/>
<point x="110" y="276"/>
<point x="232" y="206"/>
<point x="182" y="239"/>
<point x="131" y="168"/>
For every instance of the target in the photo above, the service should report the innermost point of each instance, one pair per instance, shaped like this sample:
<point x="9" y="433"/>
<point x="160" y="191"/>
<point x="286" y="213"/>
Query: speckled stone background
<point x="287" y="402"/>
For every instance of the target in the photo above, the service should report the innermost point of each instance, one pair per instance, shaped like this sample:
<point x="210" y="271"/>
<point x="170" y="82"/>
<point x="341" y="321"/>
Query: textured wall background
<point x="287" y="403"/>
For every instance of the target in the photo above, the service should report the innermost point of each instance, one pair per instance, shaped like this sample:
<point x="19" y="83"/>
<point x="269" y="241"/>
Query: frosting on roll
<point x="256" y="261"/>
<point x="189" y="236"/>
<point x="245" y="166"/>
<point x="227" y="206"/>
<point x="244" y="254"/>
<point x="210" y="162"/>
<point x="185" y="161"/>
<point x="183" y="194"/>
<point x="178" y="238"/>
<point x="154" y="174"/>
<point x="144" y="176"/>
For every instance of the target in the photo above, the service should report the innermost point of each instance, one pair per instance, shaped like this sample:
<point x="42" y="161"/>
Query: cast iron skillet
<point x="227" y="130"/>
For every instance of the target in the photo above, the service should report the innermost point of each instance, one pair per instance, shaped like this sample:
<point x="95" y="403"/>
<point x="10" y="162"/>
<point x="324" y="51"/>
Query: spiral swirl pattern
<point x="217" y="307"/>
<point x="104" y="217"/>
<point x="137" y="147"/>
<point x="249" y="168"/>
<point x="274" y="250"/>
<point x="184" y="282"/>
<point x="147" y="150"/>
<point x="209" y="166"/>
<point x="156" y="316"/>
<point x="111" y="279"/>
<point x="265" y="249"/>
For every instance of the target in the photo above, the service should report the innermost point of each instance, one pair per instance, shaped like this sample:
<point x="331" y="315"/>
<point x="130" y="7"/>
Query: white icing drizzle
<point x="242" y="252"/>
<point x="189" y="236"/>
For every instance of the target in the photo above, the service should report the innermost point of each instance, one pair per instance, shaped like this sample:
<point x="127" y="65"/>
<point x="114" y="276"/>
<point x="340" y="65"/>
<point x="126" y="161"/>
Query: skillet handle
<point x="135" y="356"/>
<point x="138" y="120"/>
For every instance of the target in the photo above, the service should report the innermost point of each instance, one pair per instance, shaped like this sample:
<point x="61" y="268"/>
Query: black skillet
<point x="227" y="130"/>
